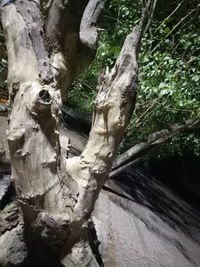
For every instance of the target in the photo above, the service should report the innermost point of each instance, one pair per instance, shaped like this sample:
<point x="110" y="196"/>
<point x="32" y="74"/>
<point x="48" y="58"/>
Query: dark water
<point x="181" y="175"/>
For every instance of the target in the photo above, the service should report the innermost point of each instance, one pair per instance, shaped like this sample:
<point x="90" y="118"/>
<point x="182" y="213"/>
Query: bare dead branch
<point x="151" y="14"/>
<point x="153" y="140"/>
<point x="175" y="27"/>
<point x="88" y="27"/>
<point x="112" y="108"/>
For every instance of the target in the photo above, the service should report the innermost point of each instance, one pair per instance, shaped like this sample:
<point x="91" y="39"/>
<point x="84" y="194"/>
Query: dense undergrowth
<point x="169" y="73"/>
<point x="169" y="79"/>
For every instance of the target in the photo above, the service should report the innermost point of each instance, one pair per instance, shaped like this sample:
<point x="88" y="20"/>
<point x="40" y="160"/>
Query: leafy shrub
<point x="169" y="89"/>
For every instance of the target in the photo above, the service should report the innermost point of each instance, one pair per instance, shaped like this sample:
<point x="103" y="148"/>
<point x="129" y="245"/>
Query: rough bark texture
<point x="13" y="248"/>
<point x="56" y="193"/>
<point x="72" y="36"/>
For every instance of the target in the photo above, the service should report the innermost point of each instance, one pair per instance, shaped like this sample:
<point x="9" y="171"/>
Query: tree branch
<point x="27" y="56"/>
<point x="112" y="109"/>
<point x="88" y="27"/>
<point x="151" y="14"/>
<point x="153" y="140"/>
<point x="72" y="33"/>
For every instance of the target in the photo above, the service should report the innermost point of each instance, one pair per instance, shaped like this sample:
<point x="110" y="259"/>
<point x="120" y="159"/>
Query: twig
<point x="175" y="27"/>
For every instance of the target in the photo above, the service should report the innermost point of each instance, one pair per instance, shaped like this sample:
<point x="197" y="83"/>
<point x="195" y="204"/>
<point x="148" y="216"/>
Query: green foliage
<point x="121" y="14"/>
<point x="81" y="96"/>
<point x="169" y="89"/>
<point x="169" y="86"/>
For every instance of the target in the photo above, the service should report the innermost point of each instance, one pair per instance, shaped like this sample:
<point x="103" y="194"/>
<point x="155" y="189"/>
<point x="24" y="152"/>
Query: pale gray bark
<point x="72" y="34"/>
<point x="57" y="194"/>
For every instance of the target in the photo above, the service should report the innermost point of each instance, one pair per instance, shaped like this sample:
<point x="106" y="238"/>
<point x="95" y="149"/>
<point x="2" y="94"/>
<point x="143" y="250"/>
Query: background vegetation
<point x="169" y="86"/>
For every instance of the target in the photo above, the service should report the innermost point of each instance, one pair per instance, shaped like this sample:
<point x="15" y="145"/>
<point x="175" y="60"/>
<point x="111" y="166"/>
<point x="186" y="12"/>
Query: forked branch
<point x="112" y="109"/>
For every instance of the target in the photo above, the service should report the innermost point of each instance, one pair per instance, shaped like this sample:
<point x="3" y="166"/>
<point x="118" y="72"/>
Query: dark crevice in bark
<point x="40" y="254"/>
<point x="94" y="242"/>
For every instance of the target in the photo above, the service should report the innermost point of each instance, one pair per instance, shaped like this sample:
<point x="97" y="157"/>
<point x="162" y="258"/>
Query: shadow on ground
<point x="148" y="222"/>
<point x="151" y="193"/>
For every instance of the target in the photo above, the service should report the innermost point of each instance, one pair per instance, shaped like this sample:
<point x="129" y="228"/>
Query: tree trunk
<point x="57" y="194"/>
